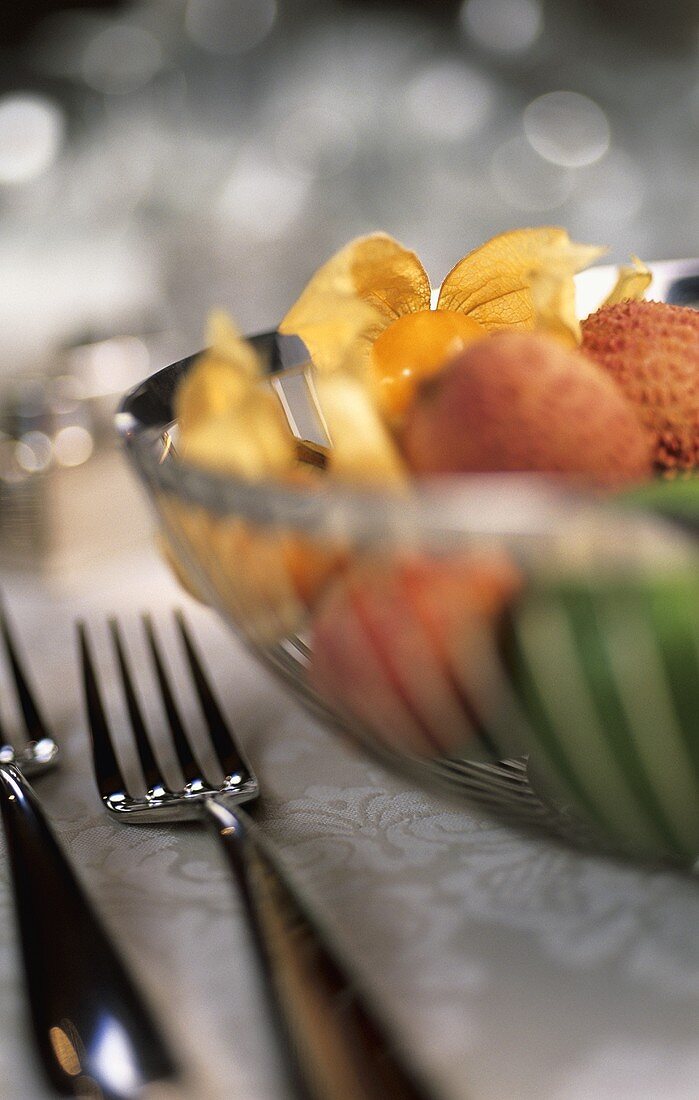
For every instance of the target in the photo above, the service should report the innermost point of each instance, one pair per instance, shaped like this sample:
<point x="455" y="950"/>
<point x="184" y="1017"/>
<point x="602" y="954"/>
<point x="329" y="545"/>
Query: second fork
<point x="334" y="1046"/>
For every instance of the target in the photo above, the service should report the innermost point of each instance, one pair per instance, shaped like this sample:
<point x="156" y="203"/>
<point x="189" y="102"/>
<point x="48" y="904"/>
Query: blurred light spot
<point x="25" y="458"/>
<point x="10" y="471"/>
<point x="449" y="100"/>
<point x="72" y="445"/>
<point x="33" y="452"/>
<point x="109" y="366"/>
<point x="262" y="198"/>
<point x="121" y="58"/>
<point x="526" y="181"/>
<point x="229" y="26"/>
<point x="567" y="128"/>
<point x="510" y="26"/>
<point x="317" y="141"/>
<point x="31" y="132"/>
<point x="611" y="193"/>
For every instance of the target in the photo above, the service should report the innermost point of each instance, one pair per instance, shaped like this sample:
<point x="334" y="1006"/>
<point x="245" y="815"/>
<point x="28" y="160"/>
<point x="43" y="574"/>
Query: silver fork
<point x="332" y="1045"/>
<point x="80" y="994"/>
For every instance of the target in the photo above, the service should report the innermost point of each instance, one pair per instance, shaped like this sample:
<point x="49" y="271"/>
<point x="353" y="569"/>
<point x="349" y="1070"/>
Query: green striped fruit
<point x="676" y="500"/>
<point x="607" y="674"/>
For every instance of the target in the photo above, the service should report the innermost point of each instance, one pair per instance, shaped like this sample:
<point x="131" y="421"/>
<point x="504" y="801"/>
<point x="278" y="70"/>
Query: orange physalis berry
<point x="413" y="347"/>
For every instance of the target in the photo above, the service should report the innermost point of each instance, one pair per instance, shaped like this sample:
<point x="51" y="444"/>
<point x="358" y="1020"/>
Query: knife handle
<point x="94" y="1034"/>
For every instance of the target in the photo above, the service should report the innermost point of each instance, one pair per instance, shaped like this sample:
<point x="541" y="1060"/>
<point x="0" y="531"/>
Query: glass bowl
<point x="500" y="638"/>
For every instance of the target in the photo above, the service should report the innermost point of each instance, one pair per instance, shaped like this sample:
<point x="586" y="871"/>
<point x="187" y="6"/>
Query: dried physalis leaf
<point x="252" y="440"/>
<point x="493" y="284"/>
<point x="353" y="297"/>
<point x="348" y="303"/>
<point x="362" y="450"/>
<point x="552" y="289"/>
<point x="229" y="422"/>
<point x="632" y="283"/>
<point x="226" y="341"/>
<point x="220" y="378"/>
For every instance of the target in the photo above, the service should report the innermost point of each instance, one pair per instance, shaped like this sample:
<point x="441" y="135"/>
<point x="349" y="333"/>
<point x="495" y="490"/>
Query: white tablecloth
<point x="510" y="966"/>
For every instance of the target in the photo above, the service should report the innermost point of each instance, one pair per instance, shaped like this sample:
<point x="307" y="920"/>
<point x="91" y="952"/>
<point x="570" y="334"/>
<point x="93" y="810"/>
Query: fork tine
<point x="108" y="775"/>
<point x="36" y="727"/>
<point x="191" y="770"/>
<point x="155" y="783"/>
<point x="227" y="751"/>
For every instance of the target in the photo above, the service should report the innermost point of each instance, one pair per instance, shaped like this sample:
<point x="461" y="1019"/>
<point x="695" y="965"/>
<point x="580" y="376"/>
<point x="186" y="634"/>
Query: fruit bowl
<point x="500" y="638"/>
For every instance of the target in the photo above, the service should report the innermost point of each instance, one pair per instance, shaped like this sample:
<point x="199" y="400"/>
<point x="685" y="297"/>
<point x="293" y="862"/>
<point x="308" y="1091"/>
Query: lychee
<point x="525" y="402"/>
<point x="651" y="350"/>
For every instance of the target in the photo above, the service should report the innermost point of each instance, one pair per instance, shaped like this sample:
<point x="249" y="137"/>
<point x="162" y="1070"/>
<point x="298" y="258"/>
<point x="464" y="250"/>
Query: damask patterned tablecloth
<point x="508" y="965"/>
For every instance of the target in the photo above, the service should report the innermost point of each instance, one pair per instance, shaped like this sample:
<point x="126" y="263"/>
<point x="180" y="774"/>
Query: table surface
<point x="509" y="965"/>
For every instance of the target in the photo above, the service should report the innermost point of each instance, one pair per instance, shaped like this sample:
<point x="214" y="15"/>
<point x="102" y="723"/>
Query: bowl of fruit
<point x="462" y="524"/>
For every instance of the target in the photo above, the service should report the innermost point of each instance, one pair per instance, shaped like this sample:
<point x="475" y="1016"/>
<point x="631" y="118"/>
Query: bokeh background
<point x="162" y="157"/>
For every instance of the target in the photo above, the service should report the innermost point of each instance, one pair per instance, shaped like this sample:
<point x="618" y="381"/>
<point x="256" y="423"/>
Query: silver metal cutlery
<point x="94" y="1034"/>
<point x="332" y="1044"/>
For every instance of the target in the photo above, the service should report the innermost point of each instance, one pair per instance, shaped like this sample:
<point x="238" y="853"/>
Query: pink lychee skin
<point x="397" y="647"/>
<point x="523" y="402"/>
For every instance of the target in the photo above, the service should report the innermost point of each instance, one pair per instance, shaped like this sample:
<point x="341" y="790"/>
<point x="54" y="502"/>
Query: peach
<point x="398" y="647"/>
<point x="524" y="402"/>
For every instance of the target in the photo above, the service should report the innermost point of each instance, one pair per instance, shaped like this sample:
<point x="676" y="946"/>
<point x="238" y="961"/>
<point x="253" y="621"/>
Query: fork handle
<point x="334" y="1046"/>
<point x="81" y="997"/>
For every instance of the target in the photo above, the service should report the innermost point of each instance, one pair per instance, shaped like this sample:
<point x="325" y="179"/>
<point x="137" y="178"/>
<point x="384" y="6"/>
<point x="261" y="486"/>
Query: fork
<point x="80" y="994"/>
<point x="332" y="1045"/>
